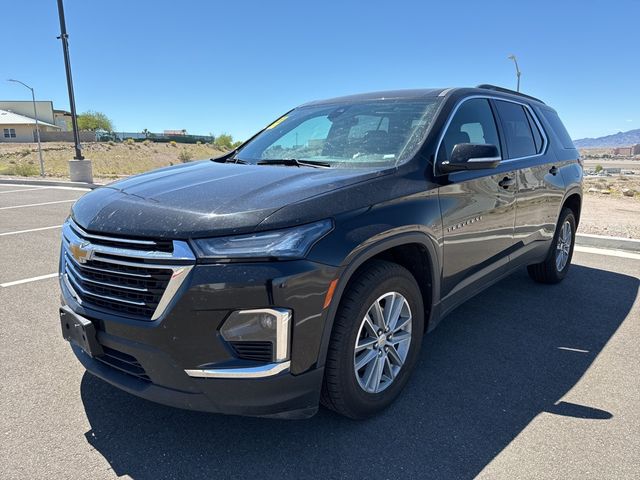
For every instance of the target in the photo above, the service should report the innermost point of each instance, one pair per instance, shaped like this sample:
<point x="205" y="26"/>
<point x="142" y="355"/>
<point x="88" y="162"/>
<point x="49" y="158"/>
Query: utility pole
<point x="35" y="116"/>
<point x="515" y="61"/>
<point x="79" y="168"/>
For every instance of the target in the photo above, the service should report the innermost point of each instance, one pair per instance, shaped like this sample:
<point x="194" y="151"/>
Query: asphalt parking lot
<point x="524" y="381"/>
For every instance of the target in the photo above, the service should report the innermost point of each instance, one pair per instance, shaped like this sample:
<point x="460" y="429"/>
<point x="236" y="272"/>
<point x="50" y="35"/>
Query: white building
<point x="20" y="128"/>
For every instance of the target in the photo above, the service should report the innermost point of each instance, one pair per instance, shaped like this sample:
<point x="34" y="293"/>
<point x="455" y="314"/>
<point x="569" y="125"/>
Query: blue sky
<point x="234" y="66"/>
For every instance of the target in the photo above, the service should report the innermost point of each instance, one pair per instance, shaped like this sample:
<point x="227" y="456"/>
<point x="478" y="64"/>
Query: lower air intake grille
<point x="259" y="351"/>
<point x="123" y="362"/>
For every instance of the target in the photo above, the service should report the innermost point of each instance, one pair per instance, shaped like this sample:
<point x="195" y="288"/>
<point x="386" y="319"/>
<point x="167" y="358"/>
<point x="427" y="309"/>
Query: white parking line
<point x="569" y="349"/>
<point x="38" y="204"/>
<point x="23" y="190"/>
<point x="610" y="253"/>
<point x="27" y="280"/>
<point x="26" y="188"/>
<point x="30" y="230"/>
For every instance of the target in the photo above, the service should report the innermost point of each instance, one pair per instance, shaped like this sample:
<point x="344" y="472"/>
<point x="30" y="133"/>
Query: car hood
<point x="205" y="198"/>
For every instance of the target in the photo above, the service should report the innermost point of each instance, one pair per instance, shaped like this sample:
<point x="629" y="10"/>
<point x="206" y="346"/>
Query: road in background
<point x="523" y="381"/>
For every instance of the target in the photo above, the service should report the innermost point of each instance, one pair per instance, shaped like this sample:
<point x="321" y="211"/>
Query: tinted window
<point x="472" y="123"/>
<point x="558" y="127"/>
<point x="537" y="136"/>
<point x="520" y="142"/>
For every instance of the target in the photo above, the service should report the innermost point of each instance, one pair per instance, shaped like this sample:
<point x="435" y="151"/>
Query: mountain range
<point x="620" y="139"/>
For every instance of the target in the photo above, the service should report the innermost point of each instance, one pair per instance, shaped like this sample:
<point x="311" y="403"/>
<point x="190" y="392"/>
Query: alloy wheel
<point x="563" y="247"/>
<point x="383" y="342"/>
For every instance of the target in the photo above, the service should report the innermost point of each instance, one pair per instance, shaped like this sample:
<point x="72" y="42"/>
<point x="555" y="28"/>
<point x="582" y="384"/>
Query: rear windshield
<point x="372" y="133"/>
<point x="561" y="132"/>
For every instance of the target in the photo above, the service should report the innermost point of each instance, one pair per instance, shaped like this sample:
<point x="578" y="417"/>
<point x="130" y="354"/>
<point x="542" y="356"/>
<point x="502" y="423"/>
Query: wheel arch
<point x="573" y="201"/>
<point x="385" y="250"/>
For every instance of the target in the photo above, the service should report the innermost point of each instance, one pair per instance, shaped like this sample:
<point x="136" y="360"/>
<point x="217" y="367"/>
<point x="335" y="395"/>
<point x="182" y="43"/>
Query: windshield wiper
<point x="294" y="162"/>
<point x="229" y="159"/>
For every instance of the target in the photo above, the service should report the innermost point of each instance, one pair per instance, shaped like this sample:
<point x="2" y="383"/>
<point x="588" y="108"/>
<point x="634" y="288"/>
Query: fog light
<point x="260" y="325"/>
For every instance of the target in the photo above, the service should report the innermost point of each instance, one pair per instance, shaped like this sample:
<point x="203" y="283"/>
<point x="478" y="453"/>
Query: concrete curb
<point x="602" y="241"/>
<point x="49" y="183"/>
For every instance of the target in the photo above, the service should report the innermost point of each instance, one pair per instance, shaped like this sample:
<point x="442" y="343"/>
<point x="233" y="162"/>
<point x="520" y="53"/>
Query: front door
<point x="478" y="207"/>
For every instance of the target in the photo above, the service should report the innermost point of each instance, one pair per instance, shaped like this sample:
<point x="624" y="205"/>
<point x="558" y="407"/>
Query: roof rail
<point x="488" y="86"/>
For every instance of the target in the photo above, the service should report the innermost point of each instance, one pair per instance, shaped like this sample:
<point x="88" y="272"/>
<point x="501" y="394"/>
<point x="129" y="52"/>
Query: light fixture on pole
<point x="515" y="61"/>
<point x="35" y="117"/>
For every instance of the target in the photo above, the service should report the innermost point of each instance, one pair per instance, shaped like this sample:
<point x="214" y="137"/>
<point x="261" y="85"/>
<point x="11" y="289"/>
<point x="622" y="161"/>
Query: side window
<point x="537" y="136"/>
<point x="473" y="122"/>
<point x="518" y="135"/>
<point x="553" y="118"/>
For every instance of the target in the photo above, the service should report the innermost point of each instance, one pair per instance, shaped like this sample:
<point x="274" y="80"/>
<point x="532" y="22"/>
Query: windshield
<point x="372" y="133"/>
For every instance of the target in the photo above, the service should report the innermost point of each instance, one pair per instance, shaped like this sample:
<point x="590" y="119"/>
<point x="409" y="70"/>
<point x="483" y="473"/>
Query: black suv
<point x="306" y="265"/>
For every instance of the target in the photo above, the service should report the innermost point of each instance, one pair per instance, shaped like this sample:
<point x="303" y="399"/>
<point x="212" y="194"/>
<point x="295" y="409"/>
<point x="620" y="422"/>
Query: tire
<point x="350" y="391"/>
<point x="553" y="270"/>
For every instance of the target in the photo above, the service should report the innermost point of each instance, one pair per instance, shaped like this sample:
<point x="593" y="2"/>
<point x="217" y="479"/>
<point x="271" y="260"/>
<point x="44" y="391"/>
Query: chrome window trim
<point x="260" y="371"/>
<point x="543" y="133"/>
<point x="181" y="253"/>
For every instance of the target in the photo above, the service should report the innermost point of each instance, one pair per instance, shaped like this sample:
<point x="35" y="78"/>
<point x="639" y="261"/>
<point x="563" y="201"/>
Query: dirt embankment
<point x="110" y="159"/>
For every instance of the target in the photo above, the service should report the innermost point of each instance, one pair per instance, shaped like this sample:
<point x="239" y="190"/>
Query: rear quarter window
<point x="557" y="126"/>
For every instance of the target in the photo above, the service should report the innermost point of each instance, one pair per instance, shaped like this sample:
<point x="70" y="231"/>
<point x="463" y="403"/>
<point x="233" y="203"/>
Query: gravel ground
<point x="615" y="216"/>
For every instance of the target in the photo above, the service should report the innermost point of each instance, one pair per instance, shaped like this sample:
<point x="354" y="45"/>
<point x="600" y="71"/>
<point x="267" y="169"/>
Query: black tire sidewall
<point x="361" y="403"/>
<point x="566" y="215"/>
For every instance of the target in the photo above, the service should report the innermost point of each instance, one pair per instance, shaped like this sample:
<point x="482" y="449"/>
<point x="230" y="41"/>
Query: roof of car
<point x="413" y="94"/>
<point x="383" y="95"/>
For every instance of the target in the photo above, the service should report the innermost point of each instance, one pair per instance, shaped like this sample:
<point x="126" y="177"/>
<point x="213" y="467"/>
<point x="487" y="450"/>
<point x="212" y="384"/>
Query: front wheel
<point x="375" y="340"/>
<point x="557" y="263"/>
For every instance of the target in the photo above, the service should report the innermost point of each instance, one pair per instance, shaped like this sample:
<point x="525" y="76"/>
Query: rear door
<point x="540" y="187"/>
<point x="478" y="207"/>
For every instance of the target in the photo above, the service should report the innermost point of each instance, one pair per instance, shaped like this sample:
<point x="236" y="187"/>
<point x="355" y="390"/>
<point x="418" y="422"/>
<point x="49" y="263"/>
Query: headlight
<point x="286" y="243"/>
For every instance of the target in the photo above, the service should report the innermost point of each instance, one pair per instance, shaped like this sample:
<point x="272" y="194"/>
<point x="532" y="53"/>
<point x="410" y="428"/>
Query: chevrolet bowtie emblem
<point x="80" y="252"/>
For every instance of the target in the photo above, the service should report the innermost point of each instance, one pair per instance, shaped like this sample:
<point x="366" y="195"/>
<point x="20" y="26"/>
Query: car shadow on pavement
<point x="488" y="369"/>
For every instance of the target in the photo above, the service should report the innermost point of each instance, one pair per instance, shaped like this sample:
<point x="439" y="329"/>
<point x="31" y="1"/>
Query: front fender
<point x="360" y="236"/>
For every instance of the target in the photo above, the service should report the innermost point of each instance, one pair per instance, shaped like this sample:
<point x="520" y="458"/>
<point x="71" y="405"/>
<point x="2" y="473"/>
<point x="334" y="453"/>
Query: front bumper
<point x="167" y="360"/>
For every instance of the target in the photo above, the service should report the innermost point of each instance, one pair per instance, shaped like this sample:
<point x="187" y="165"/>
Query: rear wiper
<point x="294" y="162"/>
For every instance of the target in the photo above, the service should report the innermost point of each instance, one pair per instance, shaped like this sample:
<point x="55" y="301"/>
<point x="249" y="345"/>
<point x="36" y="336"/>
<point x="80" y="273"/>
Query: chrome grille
<point x="132" y="277"/>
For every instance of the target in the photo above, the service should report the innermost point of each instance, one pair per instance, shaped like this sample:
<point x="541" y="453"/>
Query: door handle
<point x="553" y="170"/>
<point x="506" y="182"/>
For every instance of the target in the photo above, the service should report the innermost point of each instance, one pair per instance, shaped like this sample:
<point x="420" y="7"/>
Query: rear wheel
<point x="557" y="263"/>
<point x="375" y="340"/>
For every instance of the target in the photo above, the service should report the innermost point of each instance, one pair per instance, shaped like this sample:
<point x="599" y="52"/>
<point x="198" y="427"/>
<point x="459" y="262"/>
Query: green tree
<point x="598" y="168"/>
<point x="224" y="140"/>
<point x="93" y="121"/>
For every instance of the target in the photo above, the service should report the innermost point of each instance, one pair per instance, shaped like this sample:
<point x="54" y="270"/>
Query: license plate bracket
<point x="79" y="330"/>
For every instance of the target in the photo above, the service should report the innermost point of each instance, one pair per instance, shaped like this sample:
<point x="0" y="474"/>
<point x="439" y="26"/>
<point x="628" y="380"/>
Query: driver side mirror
<point x="471" y="156"/>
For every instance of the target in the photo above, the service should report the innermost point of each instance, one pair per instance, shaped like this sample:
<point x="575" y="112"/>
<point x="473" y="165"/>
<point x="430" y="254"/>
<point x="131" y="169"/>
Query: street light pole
<point x="515" y="61"/>
<point x="67" y="64"/>
<point x="79" y="168"/>
<point x="35" y="116"/>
